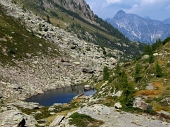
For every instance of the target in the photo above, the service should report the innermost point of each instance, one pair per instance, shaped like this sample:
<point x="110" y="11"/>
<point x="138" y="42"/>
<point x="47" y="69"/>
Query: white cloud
<point x="113" y="1"/>
<point x="168" y="7"/>
<point x="134" y="8"/>
<point x="155" y="9"/>
<point x="149" y="1"/>
<point x="154" y="2"/>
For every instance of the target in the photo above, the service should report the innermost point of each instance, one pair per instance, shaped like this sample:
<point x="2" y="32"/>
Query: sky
<point x="155" y="9"/>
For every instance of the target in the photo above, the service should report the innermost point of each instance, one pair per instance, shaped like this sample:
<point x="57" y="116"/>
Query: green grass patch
<point x="83" y="120"/>
<point x="44" y="113"/>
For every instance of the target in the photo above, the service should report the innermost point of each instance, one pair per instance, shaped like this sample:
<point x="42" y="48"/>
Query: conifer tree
<point x="158" y="71"/>
<point x="137" y="72"/>
<point x="128" y="91"/>
<point x="105" y="73"/>
<point x="118" y="69"/>
<point x="48" y="19"/>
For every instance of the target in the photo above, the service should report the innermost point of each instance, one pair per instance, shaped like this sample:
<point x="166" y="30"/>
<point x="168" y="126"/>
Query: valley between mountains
<point x="52" y="44"/>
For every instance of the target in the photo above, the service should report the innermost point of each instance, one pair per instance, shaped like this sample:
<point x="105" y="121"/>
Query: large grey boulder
<point x="139" y="103"/>
<point x="145" y="57"/>
<point x="113" y="60"/>
<point x="149" y="86"/>
<point x="117" y="105"/>
<point x="87" y="87"/>
<point x="88" y="70"/>
<point x="118" y="94"/>
<point x="12" y="118"/>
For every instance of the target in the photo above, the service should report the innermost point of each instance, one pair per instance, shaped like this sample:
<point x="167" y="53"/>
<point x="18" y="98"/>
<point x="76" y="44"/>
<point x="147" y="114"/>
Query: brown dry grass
<point x="148" y="92"/>
<point x="158" y="89"/>
<point x="158" y="85"/>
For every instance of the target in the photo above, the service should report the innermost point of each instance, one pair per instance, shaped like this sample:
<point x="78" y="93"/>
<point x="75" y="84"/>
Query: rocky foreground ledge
<point x="112" y="118"/>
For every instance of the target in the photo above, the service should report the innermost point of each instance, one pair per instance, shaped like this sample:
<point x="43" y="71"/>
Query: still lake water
<point x="61" y="95"/>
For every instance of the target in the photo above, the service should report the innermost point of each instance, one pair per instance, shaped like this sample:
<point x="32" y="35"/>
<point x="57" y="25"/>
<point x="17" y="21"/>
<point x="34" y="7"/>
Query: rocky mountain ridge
<point x="78" y="6"/>
<point x="139" y="29"/>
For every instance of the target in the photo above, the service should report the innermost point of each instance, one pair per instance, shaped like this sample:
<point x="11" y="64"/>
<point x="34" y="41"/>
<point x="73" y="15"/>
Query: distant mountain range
<point x="166" y="21"/>
<point x="140" y="29"/>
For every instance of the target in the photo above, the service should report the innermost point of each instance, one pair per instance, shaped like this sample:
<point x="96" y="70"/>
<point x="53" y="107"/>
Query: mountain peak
<point x="120" y="12"/>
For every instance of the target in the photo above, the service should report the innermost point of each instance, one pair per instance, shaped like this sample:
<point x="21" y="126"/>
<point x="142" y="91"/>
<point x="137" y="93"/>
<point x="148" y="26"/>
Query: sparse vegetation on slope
<point x="17" y="43"/>
<point x="140" y="78"/>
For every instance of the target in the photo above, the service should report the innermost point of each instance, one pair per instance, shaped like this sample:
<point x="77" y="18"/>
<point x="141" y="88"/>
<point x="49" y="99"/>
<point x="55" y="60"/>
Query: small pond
<point x="61" y="95"/>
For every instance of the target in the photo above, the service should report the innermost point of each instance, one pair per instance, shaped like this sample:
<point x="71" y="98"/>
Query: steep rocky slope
<point x="30" y="66"/>
<point x="37" y="70"/>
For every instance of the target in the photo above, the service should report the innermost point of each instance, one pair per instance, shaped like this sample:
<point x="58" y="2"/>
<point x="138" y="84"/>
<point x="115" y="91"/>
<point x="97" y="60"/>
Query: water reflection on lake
<point x="62" y="95"/>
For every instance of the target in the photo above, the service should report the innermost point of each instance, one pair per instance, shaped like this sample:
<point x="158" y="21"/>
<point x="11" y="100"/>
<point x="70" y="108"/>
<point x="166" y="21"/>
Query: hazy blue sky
<point x="155" y="9"/>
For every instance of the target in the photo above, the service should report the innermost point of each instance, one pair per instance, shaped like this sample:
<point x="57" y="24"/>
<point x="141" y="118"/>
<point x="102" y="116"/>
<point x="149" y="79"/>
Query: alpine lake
<point x="60" y="95"/>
